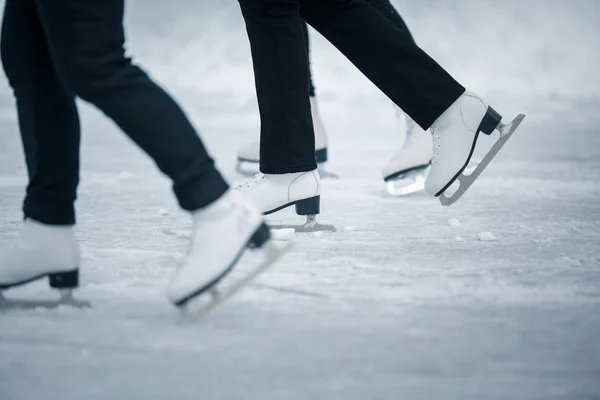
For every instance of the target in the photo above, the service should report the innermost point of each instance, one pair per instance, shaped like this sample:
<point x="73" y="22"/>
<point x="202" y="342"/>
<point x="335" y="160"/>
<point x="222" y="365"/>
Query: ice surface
<point x="392" y="305"/>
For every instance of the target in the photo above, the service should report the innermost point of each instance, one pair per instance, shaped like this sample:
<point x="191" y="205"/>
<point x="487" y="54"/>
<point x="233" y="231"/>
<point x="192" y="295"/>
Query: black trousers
<point x="386" y="55"/>
<point x="385" y="8"/>
<point x="55" y="50"/>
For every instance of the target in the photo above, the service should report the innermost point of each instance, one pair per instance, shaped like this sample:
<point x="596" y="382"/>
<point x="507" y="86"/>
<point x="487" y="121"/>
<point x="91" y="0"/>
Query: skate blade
<point x="311" y="225"/>
<point x="191" y="312"/>
<point x="409" y="183"/>
<point x="27" y="304"/>
<point x="317" y="227"/>
<point x="466" y="180"/>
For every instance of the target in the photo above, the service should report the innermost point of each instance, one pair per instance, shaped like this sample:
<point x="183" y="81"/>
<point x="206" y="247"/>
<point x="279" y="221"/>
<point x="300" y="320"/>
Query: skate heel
<point x="321" y="155"/>
<point x="310" y="206"/>
<point x="490" y="121"/>
<point x="64" y="280"/>
<point x="260" y="237"/>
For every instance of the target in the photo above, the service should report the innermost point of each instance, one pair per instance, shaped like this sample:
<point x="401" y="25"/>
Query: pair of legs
<point x="56" y="50"/>
<point x="250" y="152"/>
<point x="387" y="56"/>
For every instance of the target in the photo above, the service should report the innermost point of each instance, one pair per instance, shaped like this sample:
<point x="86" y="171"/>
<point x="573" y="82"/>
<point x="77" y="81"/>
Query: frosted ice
<point x="486" y="237"/>
<point x="391" y="303"/>
<point x="126" y="175"/>
<point x="453" y="222"/>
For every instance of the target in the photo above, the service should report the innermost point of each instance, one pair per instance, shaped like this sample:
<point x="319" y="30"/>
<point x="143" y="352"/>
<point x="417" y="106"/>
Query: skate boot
<point x="250" y="152"/>
<point x="221" y="233"/>
<point x="42" y="251"/>
<point x="274" y="192"/>
<point x="455" y="135"/>
<point x="406" y="172"/>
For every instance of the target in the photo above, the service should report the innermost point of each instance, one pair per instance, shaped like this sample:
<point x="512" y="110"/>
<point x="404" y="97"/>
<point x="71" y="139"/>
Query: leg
<point x="250" y="152"/>
<point x="86" y="40"/>
<point x="387" y="10"/>
<point x="49" y="126"/>
<point x="287" y="143"/>
<point x="48" y="118"/>
<point x="311" y="86"/>
<point x="281" y="77"/>
<point x="404" y="72"/>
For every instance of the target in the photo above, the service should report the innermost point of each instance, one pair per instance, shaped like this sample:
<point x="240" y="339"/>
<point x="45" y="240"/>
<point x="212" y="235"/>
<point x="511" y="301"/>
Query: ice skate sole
<point x="490" y="123"/>
<point x="66" y="299"/>
<point x="308" y="206"/>
<point x="273" y="252"/>
<point x="65" y="281"/>
<point x="311" y="225"/>
<point x="406" y="172"/>
<point x="57" y="279"/>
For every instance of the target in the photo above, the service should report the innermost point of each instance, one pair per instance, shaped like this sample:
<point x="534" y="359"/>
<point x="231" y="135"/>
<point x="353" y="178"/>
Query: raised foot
<point x="200" y="306"/>
<point x="66" y="299"/>
<point x="506" y="131"/>
<point x="311" y="225"/>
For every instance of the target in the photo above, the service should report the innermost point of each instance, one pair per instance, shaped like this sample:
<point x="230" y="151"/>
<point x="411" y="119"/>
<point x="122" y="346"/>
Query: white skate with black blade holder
<point x="195" y="305"/>
<point x="221" y="234"/>
<point x="275" y="192"/>
<point x="455" y="136"/>
<point x="42" y="251"/>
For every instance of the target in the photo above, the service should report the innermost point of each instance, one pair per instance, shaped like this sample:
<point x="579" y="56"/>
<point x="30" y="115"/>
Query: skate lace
<point x="251" y="183"/>
<point x="437" y="143"/>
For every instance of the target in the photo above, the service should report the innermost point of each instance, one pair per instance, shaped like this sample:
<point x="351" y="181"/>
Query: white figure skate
<point x="221" y="233"/>
<point x="455" y="135"/>
<point x="405" y="173"/>
<point x="250" y="152"/>
<point x="42" y="251"/>
<point x="273" y="192"/>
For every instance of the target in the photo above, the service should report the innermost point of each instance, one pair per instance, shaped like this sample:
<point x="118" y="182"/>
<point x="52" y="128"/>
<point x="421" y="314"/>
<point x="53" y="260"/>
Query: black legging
<point x="384" y="7"/>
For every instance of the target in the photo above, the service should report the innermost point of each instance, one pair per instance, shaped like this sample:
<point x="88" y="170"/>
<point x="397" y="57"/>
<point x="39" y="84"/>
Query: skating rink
<point x="408" y="300"/>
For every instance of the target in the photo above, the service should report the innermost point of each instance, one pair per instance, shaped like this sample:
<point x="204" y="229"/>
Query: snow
<point x="283" y="234"/>
<point x="486" y="237"/>
<point x="391" y="305"/>
<point x="453" y="222"/>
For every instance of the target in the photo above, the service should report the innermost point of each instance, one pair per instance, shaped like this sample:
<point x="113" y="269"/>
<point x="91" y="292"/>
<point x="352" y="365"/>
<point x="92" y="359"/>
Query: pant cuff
<point x="269" y="169"/>
<point x="427" y="119"/>
<point x="49" y="212"/>
<point x="201" y="191"/>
